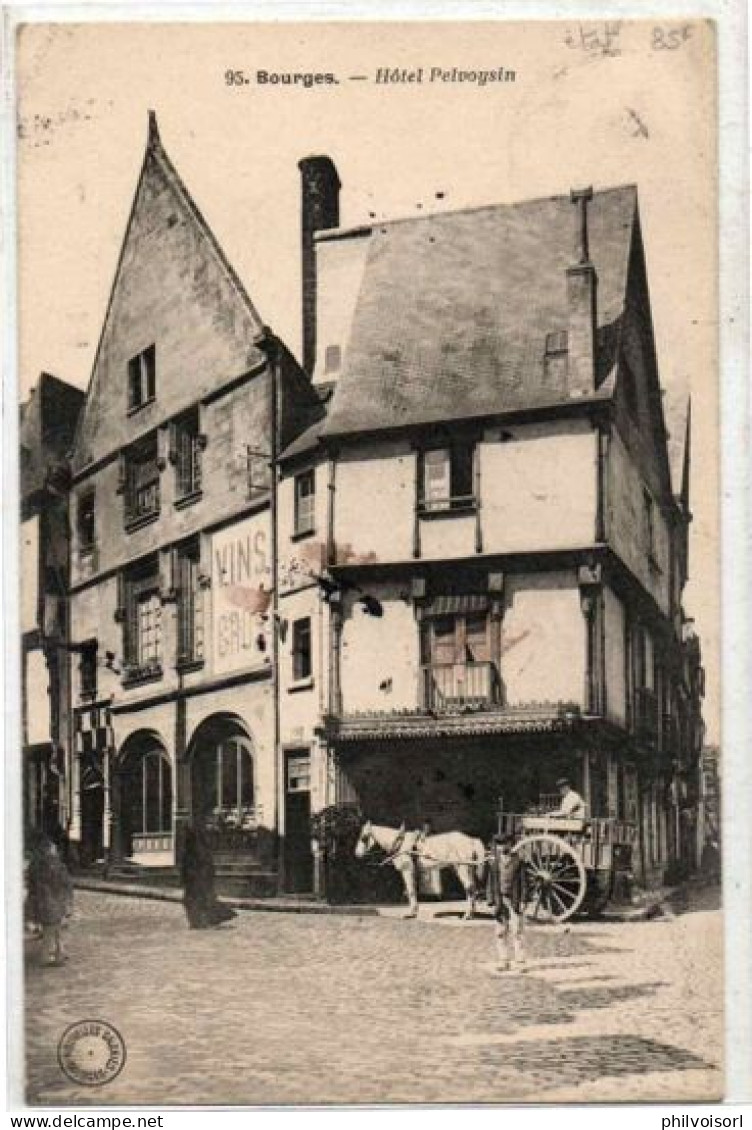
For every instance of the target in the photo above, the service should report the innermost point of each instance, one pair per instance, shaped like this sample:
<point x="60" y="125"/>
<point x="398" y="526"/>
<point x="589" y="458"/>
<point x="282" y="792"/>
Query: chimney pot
<point x="582" y="197"/>
<point x="582" y="289"/>
<point x="320" y="185"/>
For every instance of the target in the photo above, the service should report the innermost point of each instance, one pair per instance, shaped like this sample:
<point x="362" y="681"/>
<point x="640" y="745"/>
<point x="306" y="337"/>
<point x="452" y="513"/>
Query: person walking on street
<point x="202" y="909"/>
<point x="506" y="894"/>
<point x="50" y="897"/>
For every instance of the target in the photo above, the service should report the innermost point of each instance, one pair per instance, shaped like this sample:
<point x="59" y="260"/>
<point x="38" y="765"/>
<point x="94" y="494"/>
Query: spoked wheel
<point x="555" y="879"/>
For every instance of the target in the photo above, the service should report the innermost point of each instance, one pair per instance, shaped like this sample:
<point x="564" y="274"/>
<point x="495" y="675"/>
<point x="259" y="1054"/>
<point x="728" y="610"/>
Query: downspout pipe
<point x="270" y="347"/>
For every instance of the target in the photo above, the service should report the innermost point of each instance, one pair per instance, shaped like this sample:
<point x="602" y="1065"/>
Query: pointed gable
<point x="640" y="412"/>
<point x="173" y="290"/>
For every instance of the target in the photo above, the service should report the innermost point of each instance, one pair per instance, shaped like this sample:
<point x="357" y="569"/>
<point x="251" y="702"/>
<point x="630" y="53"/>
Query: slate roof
<point x="454" y="309"/>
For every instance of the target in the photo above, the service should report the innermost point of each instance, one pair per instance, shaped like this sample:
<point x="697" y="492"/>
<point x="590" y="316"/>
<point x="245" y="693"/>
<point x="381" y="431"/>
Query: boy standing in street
<point x="506" y="894"/>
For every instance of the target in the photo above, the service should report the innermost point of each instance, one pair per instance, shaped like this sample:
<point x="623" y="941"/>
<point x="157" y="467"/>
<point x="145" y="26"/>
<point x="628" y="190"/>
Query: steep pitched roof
<point x="162" y="204"/>
<point x="454" y="310"/>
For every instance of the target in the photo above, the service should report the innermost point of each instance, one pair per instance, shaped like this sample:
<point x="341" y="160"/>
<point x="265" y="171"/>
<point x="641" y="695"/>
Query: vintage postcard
<point x="369" y="534"/>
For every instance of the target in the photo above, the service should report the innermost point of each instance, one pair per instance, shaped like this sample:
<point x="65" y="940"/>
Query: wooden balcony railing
<point x="449" y="686"/>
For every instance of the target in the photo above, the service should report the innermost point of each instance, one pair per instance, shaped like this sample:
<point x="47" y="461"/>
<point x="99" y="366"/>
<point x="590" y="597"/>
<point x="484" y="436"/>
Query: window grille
<point x="141" y="481"/>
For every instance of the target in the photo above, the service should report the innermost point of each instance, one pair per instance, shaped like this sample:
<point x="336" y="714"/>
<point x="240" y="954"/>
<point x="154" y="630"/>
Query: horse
<point x="409" y="852"/>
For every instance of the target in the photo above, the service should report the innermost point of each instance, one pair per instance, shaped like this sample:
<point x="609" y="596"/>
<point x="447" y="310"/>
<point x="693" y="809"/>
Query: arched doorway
<point x="223" y="782"/>
<point x="143" y="799"/>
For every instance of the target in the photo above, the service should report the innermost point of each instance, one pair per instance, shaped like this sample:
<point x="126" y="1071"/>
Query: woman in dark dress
<point x="197" y="874"/>
<point x="49" y="897"/>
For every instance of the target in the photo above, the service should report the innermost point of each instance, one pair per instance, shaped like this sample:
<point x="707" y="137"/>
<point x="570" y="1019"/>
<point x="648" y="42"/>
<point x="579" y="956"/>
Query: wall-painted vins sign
<point x="241" y="594"/>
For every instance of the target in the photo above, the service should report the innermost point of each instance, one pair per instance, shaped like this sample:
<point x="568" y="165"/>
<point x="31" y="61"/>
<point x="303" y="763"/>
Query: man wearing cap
<point x="506" y="894"/>
<point x="572" y="803"/>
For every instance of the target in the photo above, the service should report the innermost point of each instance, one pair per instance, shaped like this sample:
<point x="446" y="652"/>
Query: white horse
<point x="410" y="852"/>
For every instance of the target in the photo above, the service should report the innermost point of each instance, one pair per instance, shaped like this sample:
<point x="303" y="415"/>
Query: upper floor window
<point x="190" y="603"/>
<point x="446" y="479"/>
<point x="142" y="378"/>
<point x="88" y="669"/>
<point x="302" y="667"/>
<point x="140" y="480"/>
<point x="186" y="445"/>
<point x="332" y="358"/>
<point x="142" y="616"/>
<point x="648" y="518"/>
<point x="257" y="471"/>
<point x="457" y="656"/>
<point x="86" y="521"/>
<point x="305" y="499"/>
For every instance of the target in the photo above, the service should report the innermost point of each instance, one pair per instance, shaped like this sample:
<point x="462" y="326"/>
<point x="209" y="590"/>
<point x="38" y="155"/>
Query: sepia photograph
<point x="369" y="537"/>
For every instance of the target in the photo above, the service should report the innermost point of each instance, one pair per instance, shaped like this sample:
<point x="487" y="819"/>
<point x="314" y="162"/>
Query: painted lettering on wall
<point x="241" y="595"/>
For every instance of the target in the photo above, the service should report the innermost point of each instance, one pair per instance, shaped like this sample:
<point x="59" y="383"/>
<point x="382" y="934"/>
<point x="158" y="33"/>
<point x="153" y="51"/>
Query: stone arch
<point x="222" y="762"/>
<point x="143" y="800"/>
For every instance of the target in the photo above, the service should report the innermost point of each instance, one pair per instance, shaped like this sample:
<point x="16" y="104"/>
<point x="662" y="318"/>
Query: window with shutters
<point x="190" y="603"/>
<point x="142" y="622"/>
<point x="446" y="479"/>
<point x="305" y="503"/>
<point x="459" y="661"/>
<point x="186" y="446"/>
<point x="142" y="379"/>
<point x="139" y="482"/>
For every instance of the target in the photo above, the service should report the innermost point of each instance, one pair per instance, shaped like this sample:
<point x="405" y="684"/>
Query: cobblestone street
<point x="296" y="1008"/>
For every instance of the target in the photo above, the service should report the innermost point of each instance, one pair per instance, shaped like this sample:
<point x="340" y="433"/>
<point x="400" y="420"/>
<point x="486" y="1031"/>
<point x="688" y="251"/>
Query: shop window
<point x="305" y="501"/>
<point x="446" y="479"/>
<point x="231" y="787"/>
<point x="301" y="650"/>
<point x="148" y="794"/>
<point x="142" y="379"/>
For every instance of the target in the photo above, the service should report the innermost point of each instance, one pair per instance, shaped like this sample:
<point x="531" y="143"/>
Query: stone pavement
<point x="322" y="1009"/>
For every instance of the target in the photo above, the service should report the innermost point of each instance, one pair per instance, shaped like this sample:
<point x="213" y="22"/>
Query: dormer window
<point x="142" y="379"/>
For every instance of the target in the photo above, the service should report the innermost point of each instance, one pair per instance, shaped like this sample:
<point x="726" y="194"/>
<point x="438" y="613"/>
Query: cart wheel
<point x="555" y="879"/>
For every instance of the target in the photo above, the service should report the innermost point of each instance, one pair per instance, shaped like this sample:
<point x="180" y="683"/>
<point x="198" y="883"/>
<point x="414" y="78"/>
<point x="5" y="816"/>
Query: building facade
<point x="490" y="500"/>
<point x="172" y="549"/>
<point x="428" y="572"/>
<point x="48" y="421"/>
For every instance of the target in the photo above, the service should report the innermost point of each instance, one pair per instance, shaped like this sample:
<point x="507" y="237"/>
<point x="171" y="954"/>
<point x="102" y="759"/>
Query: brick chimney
<point x="582" y="289"/>
<point x="320" y="187"/>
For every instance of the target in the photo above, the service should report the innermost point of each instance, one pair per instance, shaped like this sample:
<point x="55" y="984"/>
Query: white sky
<point x="573" y="116"/>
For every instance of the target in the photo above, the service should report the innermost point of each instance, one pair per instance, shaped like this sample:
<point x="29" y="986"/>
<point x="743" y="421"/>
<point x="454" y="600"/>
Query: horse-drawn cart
<point x="570" y="863"/>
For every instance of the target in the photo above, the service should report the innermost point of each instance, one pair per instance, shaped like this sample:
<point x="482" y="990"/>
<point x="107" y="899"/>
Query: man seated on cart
<point x="571" y="803"/>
